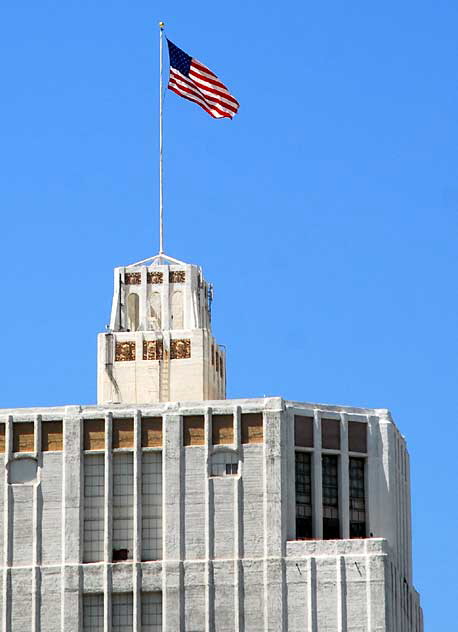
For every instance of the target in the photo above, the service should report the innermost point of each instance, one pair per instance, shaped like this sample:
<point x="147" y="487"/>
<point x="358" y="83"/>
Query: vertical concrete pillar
<point x="172" y="569"/>
<point x="317" y="498"/>
<point x="137" y="543"/>
<point x="344" y="479"/>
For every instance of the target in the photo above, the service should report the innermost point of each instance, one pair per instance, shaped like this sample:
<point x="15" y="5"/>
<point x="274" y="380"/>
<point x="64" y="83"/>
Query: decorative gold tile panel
<point x="132" y="278"/>
<point x="180" y="349"/>
<point x="152" y="350"/>
<point x="177" y="276"/>
<point x="155" y="277"/>
<point x="125" y="351"/>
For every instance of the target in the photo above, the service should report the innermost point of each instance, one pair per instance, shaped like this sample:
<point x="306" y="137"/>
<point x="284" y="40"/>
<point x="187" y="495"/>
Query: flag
<point x="194" y="81"/>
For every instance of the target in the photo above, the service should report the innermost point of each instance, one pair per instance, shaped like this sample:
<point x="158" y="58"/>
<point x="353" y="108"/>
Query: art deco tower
<point x="159" y="346"/>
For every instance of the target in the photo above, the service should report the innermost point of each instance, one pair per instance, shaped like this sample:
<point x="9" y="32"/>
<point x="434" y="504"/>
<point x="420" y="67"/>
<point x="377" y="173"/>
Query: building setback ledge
<point x="367" y="546"/>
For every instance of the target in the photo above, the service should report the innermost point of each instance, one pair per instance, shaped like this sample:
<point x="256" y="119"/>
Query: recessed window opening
<point x="94" y="489"/>
<point x="331" y="526"/>
<point x="133" y="312"/>
<point x="123" y="506"/>
<point x="357" y="499"/>
<point x="304" y="527"/>
<point x="93" y="613"/>
<point x="224" y="463"/>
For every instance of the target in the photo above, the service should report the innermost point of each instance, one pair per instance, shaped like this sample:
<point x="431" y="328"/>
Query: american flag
<point x="194" y="81"/>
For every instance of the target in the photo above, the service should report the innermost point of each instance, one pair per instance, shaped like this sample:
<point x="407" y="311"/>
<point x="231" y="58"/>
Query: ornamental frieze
<point x="132" y="278"/>
<point x="180" y="349"/>
<point x="152" y="350"/>
<point x="125" y="351"/>
<point x="177" y="276"/>
<point x="155" y="277"/>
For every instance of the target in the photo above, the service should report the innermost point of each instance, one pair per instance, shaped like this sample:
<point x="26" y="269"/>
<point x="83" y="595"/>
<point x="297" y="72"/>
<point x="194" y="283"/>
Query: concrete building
<point x="168" y="507"/>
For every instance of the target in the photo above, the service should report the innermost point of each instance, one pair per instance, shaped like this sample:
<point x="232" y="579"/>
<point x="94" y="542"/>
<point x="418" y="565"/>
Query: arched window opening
<point x="177" y="311"/>
<point x="132" y="312"/>
<point x="155" y="311"/>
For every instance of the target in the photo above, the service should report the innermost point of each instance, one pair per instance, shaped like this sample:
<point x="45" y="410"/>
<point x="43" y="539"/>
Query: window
<point x="331" y="526"/>
<point x="222" y="429"/>
<point x="357" y="499"/>
<point x="303" y="431"/>
<point x="252" y="430"/>
<point x="123" y="506"/>
<point x="151" y="612"/>
<point x="94" y="491"/>
<point x="151" y="506"/>
<point x="304" y="527"/>
<point x="330" y="434"/>
<point x="151" y="432"/>
<point x="122" y="612"/>
<point x="92" y="613"/>
<point x="193" y="430"/>
<point x="132" y="312"/>
<point x="94" y="434"/>
<point x="52" y="436"/>
<point x="23" y="437"/>
<point x="357" y="436"/>
<point x="123" y="433"/>
<point x="224" y="463"/>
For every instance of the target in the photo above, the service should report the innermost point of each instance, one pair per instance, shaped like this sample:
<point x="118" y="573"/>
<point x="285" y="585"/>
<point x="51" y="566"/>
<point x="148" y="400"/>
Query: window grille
<point x="92" y="613"/>
<point x="151" y="612"/>
<point x="224" y="463"/>
<point x="357" y="499"/>
<point x="123" y="505"/>
<point x="94" y="489"/>
<point x="303" y="495"/>
<point x="331" y="526"/>
<point x="122" y="612"/>
<point x="152" y="506"/>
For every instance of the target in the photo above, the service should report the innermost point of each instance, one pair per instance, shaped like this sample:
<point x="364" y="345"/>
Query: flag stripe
<point x="210" y="98"/>
<point x="206" y="94"/>
<point x="195" y="100"/>
<point x="208" y="86"/>
<point x="188" y="90"/>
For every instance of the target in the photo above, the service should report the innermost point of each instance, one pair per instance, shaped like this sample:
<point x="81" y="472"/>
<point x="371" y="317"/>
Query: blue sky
<point x="325" y="213"/>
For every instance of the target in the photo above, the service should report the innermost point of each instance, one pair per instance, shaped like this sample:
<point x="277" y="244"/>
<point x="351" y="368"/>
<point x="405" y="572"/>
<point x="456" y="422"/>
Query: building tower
<point x="167" y="507"/>
<point x="159" y="346"/>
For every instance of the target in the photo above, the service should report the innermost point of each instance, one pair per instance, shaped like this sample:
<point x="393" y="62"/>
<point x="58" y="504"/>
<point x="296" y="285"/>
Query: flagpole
<point x="161" y="189"/>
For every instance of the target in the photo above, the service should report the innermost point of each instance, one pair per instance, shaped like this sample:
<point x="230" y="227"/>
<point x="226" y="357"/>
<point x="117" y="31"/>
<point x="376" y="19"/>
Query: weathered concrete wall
<point x="230" y="560"/>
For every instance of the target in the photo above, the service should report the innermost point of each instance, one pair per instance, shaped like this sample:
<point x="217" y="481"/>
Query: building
<point x="168" y="507"/>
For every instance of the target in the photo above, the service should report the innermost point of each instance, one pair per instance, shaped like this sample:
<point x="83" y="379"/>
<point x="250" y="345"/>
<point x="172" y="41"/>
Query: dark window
<point x="330" y="434"/>
<point x="303" y="431"/>
<point x="303" y="496"/>
<point x="331" y="526"/>
<point x="357" y="439"/>
<point x="357" y="499"/>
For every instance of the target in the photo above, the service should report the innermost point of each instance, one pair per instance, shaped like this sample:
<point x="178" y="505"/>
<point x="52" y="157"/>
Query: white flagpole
<point x="161" y="189"/>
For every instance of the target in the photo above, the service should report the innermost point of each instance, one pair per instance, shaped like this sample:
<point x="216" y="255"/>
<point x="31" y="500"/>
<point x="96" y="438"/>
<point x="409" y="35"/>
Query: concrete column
<point x="344" y="480"/>
<point x="172" y="568"/>
<point x="238" y="530"/>
<point x="137" y="544"/>
<point x="7" y="531"/>
<point x="208" y="523"/>
<point x="317" y="498"/>
<point x="143" y="299"/>
<point x="108" y="497"/>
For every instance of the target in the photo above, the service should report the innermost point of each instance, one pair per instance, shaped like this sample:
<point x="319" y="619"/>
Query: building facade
<point x="168" y="507"/>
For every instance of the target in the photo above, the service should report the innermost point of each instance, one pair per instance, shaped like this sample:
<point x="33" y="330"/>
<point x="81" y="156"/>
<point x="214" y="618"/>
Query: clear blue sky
<point x="325" y="213"/>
